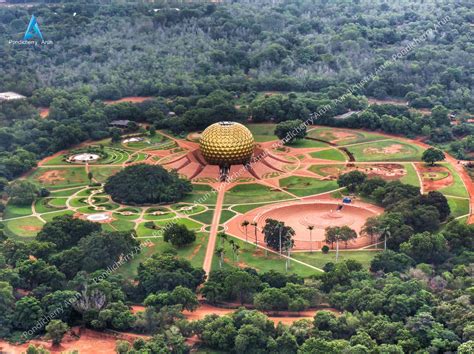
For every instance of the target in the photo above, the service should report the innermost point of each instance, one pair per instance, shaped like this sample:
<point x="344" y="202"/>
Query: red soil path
<point x="131" y="99"/>
<point x="88" y="342"/>
<point x="44" y="111"/>
<point x="280" y="316"/>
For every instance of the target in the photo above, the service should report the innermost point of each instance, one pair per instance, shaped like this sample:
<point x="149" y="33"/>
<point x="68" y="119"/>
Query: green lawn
<point x="101" y="173"/>
<point x="61" y="177"/>
<point x="51" y="216"/>
<point x="115" y="155"/>
<point x="65" y="193"/>
<point x="122" y="225"/>
<point x="205" y="217"/>
<point x="263" y="132"/>
<point x="57" y="160"/>
<point x="326" y="170"/>
<point x="329" y="154"/>
<point x="249" y="256"/>
<point x="201" y="194"/>
<point x="167" y="215"/>
<point x="253" y="193"/>
<point x="457" y="188"/>
<point x="387" y="150"/>
<point x="307" y="143"/>
<point x="319" y="259"/>
<point x="44" y="205"/>
<point x="143" y="231"/>
<point x="349" y="137"/>
<point x="226" y="215"/>
<point x="13" y="211"/>
<point x="458" y="206"/>
<point x="303" y="186"/>
<point x="243" y="208"/>
<point x="23" y="227"/>
<point x="411" y="177"/>
<point x="194" y="253"/>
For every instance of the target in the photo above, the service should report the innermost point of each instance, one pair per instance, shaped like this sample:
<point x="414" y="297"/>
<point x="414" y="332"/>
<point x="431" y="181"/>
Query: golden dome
<point x="226" y="143"/>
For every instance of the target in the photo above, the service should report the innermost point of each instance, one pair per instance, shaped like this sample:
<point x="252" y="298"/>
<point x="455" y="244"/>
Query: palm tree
<point x="371" y="228"/>
<point x="245" y="225"/>
<point x="222" y="238"/>
<point x="288" y="246"/>
<point x="220" y="253"/>
<point x="254" y="224"/>
<point x="232" y="245"/>
<point x="337" y="237"/>
<point x="310" y="228"/>
<point x="385" y="233"/>
<point x="236" y="251"/>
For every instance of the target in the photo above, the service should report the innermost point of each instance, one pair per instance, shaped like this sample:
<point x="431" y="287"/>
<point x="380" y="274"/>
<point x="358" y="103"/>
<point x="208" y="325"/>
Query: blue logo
<point x="33" y="30"/>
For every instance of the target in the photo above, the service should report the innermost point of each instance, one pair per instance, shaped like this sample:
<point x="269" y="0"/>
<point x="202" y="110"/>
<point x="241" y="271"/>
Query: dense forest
<point x="208" y="62"/>
<point x="115" y="51"/>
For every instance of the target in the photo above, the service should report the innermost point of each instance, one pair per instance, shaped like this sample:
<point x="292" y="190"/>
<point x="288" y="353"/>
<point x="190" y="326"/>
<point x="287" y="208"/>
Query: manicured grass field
<point x="66" y="192"/>
<point x="303" y="186"/>
<point x="44" y="205"/>
<point x="243" y="208"/>
<point x="23" y="227"/>
<point x="343" y="137"/>
<point x="167" y="215"/>
<point x="458" y="206"/>
<point x="457" y="188"/>
<point x="122" y="225"/>
<point x="57" y="160"/>
<point x="387" y="150"/>
<point x="307" y="143"/>
<point x="205" y="217"/>
<point x="143" y="231"/>
<point x="329" y="154"/>
<point x="253" y="193"/>
<point x="201" y="194"/>
<point x="411" y="177"/>
<point x="194" y="253"/>
<point x="101" y="173"/>
<point x="115" y="155"/>
<point x="250" y="256"/>
<point x="263" y="132"/>
<point x="326" y="170"/>
<point x="226" y="215"/>
<point x="51" y="216"/>
<point x="13" y="211"/>
<point x="61" y="177"/>
<point x="319" y="259"/>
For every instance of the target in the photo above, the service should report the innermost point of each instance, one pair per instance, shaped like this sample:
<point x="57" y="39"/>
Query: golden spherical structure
<point x="226" y="143"/>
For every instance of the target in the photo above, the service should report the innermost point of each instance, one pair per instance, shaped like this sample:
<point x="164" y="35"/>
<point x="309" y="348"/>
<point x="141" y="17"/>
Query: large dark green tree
<point x="142" y="184"/>
<point x="178" y="235"/>
<point x="277" y="234"/>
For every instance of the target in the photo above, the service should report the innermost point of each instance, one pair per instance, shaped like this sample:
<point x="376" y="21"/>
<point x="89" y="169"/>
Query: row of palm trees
<point x="245" y="224"/>
<point x="220" y="251"/>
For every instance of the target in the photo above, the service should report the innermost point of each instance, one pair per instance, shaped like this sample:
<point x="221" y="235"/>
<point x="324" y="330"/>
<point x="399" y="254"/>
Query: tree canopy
<point x="143" y="184"/>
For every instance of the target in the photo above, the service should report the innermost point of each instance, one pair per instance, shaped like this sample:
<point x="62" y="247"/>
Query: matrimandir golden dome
<point x="226" y="143"/>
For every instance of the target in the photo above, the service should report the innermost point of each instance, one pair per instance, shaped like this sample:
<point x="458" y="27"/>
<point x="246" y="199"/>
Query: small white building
<point x="10" y="96"/>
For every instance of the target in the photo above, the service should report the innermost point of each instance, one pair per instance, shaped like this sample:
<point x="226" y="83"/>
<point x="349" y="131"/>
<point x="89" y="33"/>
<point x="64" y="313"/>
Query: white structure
<point x="98" y="217"/>
<point x="10" y="96"/>
<point x="84" y="157"/>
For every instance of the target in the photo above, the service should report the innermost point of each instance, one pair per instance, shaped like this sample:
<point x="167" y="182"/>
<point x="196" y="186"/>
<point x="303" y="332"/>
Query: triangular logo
<point x="33" y="30"/>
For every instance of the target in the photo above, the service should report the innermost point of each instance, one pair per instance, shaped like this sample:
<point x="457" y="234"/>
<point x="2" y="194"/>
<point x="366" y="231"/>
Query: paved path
<point x="211" y="244"/>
